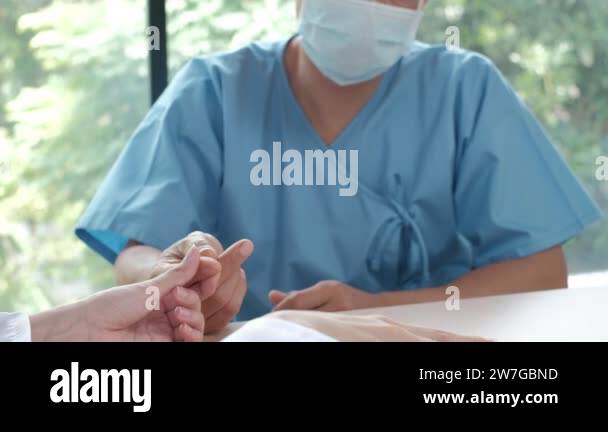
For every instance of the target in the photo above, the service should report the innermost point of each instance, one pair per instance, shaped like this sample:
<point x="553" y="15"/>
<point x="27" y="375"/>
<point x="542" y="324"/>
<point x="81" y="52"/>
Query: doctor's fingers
<point x="313" y="298"/>
<point x="233" y="258"/>
<point x="220" y="319"/>
<point x="276" y="297"/>
<point x="178" y="274"/>
<point x="224" y="295"/>
<point x="207" y="286"/>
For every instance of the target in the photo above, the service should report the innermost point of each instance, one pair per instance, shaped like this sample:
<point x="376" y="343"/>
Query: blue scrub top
<point x="454" y="173"/>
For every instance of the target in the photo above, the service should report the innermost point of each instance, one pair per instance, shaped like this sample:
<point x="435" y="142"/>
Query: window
<point x="556" y="57"/>
<point x="197" y="28"/>
<point x="73" y="87"/>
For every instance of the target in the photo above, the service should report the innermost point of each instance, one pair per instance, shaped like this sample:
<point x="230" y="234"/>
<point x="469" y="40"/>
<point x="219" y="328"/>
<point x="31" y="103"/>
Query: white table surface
<point x="575" y="314"/>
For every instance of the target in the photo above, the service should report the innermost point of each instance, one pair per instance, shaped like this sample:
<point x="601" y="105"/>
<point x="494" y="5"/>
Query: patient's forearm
<point x="135" y="264"/>
<point x="65" y="323"/>
<point x="546" y="270"/>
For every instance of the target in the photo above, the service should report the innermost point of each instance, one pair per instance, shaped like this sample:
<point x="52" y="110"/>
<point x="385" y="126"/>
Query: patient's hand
<point x="125" y="313"/>
<point x="373" y="328"/>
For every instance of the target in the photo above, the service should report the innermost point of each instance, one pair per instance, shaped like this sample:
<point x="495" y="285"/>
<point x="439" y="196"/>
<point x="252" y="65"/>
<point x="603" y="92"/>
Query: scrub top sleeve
<point x="165" y="183"/>
<point x="514" y="194"/>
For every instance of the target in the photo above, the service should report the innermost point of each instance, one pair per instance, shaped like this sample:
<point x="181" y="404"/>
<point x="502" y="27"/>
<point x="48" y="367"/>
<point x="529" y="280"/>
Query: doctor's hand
<point x="158" y="310"/>
<point x="326" y="296"/>
<point x="223" y="294"/>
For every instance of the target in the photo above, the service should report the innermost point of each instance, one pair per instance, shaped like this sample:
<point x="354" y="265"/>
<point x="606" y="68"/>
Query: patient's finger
<point x="185" y="333"/>
<point x="181" y="315"/>
<point x="180" y="296"/>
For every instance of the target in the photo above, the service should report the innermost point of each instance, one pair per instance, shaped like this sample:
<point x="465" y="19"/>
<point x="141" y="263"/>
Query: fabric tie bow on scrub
<point x="353" y="41"/>
<point x="398" y="255"/>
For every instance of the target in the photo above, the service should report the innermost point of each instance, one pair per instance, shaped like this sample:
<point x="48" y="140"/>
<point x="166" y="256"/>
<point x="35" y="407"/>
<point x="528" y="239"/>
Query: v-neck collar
<point x="341" y="141"/>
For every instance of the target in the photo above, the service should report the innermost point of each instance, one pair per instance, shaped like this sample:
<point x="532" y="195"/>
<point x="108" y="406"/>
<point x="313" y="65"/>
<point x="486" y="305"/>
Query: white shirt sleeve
<point x="15" y="327"/>
<point x="276" y="330"/>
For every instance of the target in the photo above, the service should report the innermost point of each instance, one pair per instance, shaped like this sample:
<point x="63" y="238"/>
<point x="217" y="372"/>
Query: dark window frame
<point x="158" y="59"/>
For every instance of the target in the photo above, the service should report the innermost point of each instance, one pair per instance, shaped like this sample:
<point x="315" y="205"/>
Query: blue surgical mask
<point x="353" y="41"/>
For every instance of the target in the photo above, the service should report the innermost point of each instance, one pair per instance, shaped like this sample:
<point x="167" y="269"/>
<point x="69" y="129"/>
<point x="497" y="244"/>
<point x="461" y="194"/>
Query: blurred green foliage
<point x="74" y="85"/>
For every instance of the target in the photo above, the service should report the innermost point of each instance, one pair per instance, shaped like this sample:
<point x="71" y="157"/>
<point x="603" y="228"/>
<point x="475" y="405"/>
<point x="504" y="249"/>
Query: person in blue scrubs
<point x="457" y="183"/>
